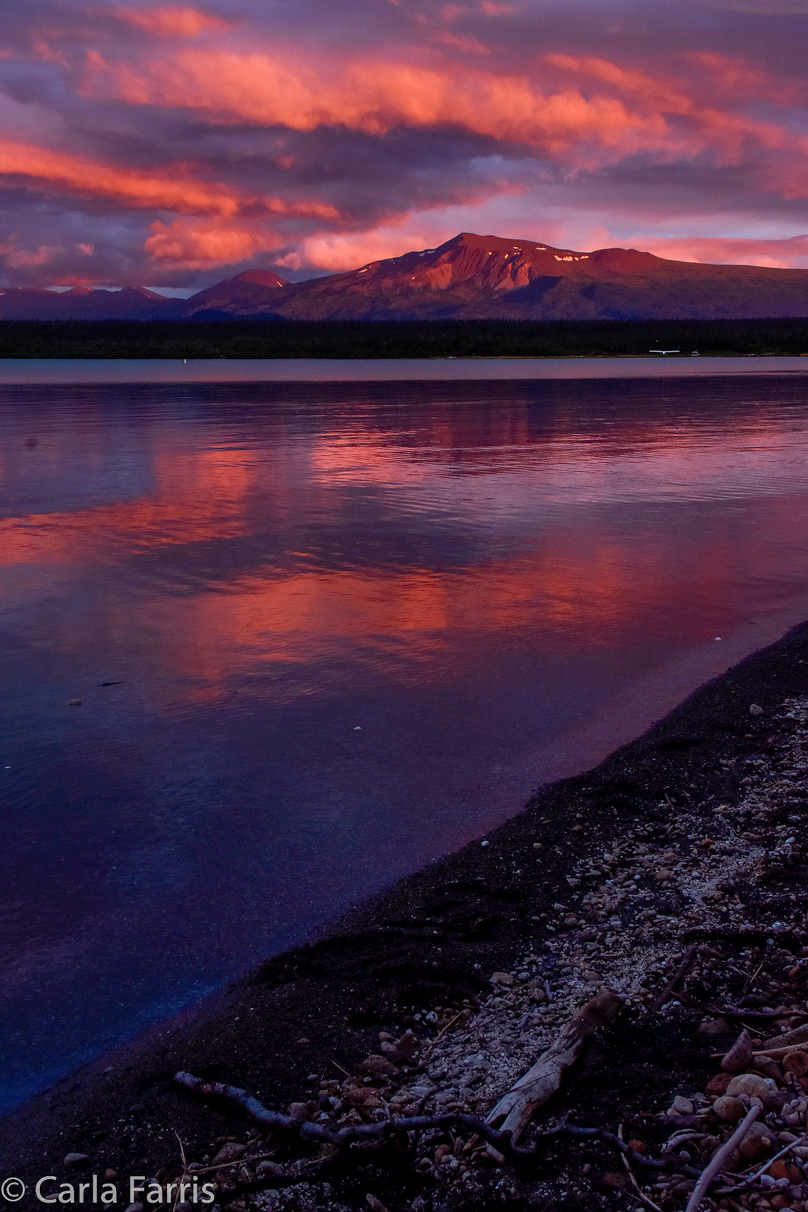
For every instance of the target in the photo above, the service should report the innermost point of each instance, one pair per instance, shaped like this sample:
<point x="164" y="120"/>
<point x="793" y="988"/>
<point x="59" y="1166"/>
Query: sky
<point x="173" y="145"/>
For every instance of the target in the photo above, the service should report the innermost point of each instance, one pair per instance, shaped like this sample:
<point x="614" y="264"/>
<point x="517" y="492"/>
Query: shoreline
<point x="432" y="942"/>
<point x="17" y="372"/>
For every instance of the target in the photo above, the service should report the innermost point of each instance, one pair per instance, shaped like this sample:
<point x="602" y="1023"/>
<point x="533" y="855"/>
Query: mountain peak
<point x="260" y="277"/>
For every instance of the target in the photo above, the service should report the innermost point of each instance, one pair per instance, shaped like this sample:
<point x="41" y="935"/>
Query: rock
<point x="797" y="1063"/>
<point x="713" y="1027"/>
<point x="681" y="1106"/>
<point x="269" y="1169"/>
<point x="376" y="1066"/>
<point x="134" y="1208"/>
<point x="298" y="1111"/>
<point x="757" y="1143"/>
<point x="782" y="1169"/>
<point x="75" y="1160"/>
<point x="755" y="709"/>
<point x="232" y="1151"/>
<point x="502" y="978"/>
<point x="729" y="1109"/>
<point x="739" y="1057"/>
<point x="767" y="1067"/>
<point x="717" y="1085"/>
<point x="754" y="1086"/>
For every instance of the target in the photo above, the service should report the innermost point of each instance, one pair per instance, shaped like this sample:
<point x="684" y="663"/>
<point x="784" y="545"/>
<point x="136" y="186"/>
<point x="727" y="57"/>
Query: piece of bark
<point x="514" y="1111"/>
<point x="798" y="1036"/>
<point x="779" y="1053"/>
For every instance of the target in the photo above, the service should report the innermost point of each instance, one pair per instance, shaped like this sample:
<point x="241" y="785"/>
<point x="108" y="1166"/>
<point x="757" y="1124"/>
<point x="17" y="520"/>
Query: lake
<point x="265" y="647"/>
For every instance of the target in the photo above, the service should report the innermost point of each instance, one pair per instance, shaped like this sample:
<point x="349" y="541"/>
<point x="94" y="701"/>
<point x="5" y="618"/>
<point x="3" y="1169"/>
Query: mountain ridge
<point x="469" y="277"/>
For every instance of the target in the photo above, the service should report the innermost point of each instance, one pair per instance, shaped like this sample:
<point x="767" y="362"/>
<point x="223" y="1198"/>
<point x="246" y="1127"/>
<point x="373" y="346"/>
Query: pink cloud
<point x="470" y="46"/>
<point x="177" y="22"/>
<point x="374" y="96"/>
<point x="175" y="188"/>
<point x="789" y="253"/>
<point x="189" y="244"/>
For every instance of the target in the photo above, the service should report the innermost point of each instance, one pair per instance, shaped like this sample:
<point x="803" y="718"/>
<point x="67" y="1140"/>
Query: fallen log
<point x="514" y="1110"/>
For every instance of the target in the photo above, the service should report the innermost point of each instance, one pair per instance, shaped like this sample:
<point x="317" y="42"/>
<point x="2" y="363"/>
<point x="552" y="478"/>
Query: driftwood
<point x="799" y="1035"/>
<point x="513" y="1112"/>
<point x="720" y="1157"/>
<point x="341" y="1138"/>
<point x="321" y="1134"/>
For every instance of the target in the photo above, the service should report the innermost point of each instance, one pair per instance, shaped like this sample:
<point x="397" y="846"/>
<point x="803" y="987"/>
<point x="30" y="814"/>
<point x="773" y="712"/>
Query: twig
<point x="444" y="1029"/>
<point x="378" y="1132"/>
<point x="753" y="1178"/>
<point x="322" y="1135"/>
<point x="649" y="1203"/>
<point x="716" y="1164"/>
<point x="679" y="975"/>
<point x="667" y="1164"/>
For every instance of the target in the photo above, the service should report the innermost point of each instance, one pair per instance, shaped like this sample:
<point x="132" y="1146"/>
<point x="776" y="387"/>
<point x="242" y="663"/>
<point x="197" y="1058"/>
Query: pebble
<point x="729" y="1109"/>
<point x="76" y="1159"/>
<point x="503" y="978"/>
<point x="797" y="1063"/>
<point x="754" y="1086"/>
<point x="681" y="1106"/>
<point x="74" y="702"/>
<point x="758" y="1142"/>
<point x="755" y="709"/>
<point x="231" y="1151"/>
<point x="717" y="1085"/>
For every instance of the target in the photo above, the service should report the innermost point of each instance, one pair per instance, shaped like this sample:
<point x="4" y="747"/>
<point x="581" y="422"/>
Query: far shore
<point x="35" y="371"/>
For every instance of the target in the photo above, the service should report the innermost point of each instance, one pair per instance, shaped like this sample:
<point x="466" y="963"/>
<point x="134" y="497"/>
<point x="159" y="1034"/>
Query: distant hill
<point x="247" y="293"/>
<point x="468" y="278"/>
<point x="81" y="303"/>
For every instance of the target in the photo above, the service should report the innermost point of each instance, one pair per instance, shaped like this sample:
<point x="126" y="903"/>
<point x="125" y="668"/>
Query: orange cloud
<point x="740" y="78"/>
<point x="175" y="188"/>
<point x="375" y="96"/>
<point x="342" y="251"/>
<point x="194" y="245"/>
<point x="170" y="21"/>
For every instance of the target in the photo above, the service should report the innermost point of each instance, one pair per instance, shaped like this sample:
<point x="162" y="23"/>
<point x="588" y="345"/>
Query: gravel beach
<point x="672" y="875"/>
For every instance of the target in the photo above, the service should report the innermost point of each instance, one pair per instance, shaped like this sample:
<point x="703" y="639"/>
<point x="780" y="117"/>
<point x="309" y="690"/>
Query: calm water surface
<point x="322" y="634"/>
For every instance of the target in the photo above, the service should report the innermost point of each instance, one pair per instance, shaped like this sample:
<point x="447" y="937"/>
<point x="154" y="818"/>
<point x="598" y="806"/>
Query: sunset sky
<point x="172" y="145"/>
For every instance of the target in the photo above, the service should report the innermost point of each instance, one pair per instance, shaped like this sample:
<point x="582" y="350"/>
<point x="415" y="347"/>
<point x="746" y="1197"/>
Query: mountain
<point x="253" y="291"/>
<point x="467" y="278"/>
<point x="81" y="303"/>
<point x="486" y="278"/>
